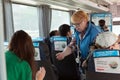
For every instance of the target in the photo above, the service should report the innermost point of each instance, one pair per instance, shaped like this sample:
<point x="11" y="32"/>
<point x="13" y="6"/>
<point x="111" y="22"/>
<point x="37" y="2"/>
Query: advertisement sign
<point x="60" y="45"/>
<point x="95" y="17"/>
<point x="107" y="61"/>
<point x="60" y="42"/>
<point x="37" y="51"/>
<point x="37" y="54"/>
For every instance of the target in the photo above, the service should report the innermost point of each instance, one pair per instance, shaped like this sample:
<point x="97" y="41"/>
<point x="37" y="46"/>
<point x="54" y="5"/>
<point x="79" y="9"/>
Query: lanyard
<point x="78" y="52"/>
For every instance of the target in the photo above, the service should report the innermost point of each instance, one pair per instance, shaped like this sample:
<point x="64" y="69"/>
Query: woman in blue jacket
<point x="84" y="36"/>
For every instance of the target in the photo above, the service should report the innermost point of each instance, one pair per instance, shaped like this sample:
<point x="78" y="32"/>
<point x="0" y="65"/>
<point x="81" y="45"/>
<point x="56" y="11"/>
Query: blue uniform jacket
<point x="87" y="40"/>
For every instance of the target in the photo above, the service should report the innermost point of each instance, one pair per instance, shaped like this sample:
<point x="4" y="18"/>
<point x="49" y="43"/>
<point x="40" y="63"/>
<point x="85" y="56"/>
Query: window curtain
<point x="2" y="54"/>
<point x="45" y="14"/>
<point x="8" y="20"/>
<point x="71" y="13"/>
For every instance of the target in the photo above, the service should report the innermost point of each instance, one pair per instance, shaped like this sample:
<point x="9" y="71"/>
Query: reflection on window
<point x="26" y="18"/>
<point x="58" y="18"/>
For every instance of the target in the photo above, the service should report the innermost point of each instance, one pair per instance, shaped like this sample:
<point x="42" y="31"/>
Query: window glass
<point x="116" y="26"/>
<point x="116" y="29"/>
<point x="26" y="18"/>
<point x="59" y="18"/>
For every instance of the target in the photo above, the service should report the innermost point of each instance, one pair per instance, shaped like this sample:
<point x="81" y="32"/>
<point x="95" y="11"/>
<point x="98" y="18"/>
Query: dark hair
<point x="101" y="22"/>
<point x="21" y="44"/>
<point x="53" y="33"/>
<point x="64" y="29"/>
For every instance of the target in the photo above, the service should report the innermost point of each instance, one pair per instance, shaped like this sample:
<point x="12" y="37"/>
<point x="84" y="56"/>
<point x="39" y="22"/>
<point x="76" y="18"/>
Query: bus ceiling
<point x="86" y="5"/>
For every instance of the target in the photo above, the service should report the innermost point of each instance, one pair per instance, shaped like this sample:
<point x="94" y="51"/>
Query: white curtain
<point x="71" y="13"/>
<point x="2" y="55"/>
<point x="45" y="13"/>
<point x="9" y="28"/>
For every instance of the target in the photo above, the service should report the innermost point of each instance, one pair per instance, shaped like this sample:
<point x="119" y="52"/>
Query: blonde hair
<point x="78" y="16"/>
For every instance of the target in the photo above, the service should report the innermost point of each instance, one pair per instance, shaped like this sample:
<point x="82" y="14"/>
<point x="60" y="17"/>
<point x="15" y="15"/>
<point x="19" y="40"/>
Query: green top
<point x="17" y="69"/>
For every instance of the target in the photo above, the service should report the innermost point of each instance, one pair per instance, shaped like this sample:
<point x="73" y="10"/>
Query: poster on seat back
<point x="60" y="42"/>
<point x="37" y="54"/>
<point x="107" y="17"/>
<point x="60" y="45"/>
<point x="107" y="62"/>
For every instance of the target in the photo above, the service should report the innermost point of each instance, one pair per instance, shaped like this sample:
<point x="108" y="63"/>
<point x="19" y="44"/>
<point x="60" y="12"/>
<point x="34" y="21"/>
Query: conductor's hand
<point x="84" y="64"/>
<point x="60" y="56"/>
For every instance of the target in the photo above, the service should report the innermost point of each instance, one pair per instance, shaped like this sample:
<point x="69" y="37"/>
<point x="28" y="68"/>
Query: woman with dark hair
<point x="20" y="57"/>
<point x="64" y="30"/>
<point x="54" y="33"/>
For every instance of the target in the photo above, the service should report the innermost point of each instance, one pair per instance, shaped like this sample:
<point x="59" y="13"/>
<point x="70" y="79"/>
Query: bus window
<point x="116" y="25"/>
<point x="26" y="18"/>
<point x="58" y="18"/>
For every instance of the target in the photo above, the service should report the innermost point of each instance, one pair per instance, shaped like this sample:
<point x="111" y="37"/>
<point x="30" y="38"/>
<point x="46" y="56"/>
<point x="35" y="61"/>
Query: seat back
<point x="67" y="68"/>
<point x="42" y="58"/>
<point x="104" y="65"/>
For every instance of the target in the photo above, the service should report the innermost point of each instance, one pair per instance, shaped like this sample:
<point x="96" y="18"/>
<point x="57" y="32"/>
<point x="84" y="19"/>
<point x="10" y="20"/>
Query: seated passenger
<point x="54" y="33"/>
<point x="47" y="39"/>
<point x="20" y="58"/>
<point x="40" y="74"/>
<point x="105" y="40"/>
<point x="103" y="26"/>
<point x="64" y="30"/>
<point x="67" y="68"/>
